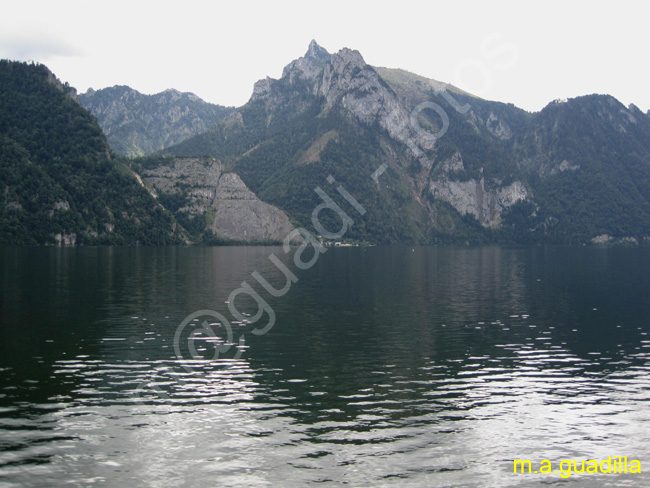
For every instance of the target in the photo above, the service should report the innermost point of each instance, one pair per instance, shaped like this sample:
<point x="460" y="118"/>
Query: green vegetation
<point x="588" y="162"/>
<point x="584" y="163"/>
<point x="266" y="158"/>
<point x="57" y="174"/>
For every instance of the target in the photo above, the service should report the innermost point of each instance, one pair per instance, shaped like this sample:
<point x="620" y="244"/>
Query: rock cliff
<point x="208" y="198"/>
<point x="432" y="163"/>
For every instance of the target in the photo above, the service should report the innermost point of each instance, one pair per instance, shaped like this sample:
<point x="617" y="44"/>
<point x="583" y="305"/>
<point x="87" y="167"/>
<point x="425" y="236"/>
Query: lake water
<point x="385" y="367"/>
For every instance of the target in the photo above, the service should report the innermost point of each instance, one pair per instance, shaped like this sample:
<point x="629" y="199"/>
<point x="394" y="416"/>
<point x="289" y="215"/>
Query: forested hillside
<point x="576" y="172"/>
<point x="59" y="182"/>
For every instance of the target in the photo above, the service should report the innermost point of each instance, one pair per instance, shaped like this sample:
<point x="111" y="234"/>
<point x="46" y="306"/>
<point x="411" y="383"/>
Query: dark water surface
<point x="386" y="366"/>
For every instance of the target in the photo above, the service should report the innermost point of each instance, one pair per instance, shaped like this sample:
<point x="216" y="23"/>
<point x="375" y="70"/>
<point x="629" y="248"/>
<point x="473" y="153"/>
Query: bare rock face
<point x="230" y="210"/>
<point x="348" y="80"/>
<point x="309" y="66"/>
<point x="498" y="127"/>
<point x="240" y="215"/>
<point x="472" y="197"/>
<point x="261" y="89"/>
<point x="486" y="201"/>
<point x="344" y="79"/>
<point x="64" y="239"/>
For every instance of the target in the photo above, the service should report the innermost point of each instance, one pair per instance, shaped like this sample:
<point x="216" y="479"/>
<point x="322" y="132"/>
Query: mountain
<point x="137" y="124"/>
<point x="297" y="131"/>
<point x="341" y="148"/>
<point x="588" y="160"/>
<point x="59" y="182"/>
<point x="430" y="163"/>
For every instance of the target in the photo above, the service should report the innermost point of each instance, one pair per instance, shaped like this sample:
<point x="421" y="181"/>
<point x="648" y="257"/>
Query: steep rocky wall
<point x="486" y="201"/>
<point x="230" y="209"/>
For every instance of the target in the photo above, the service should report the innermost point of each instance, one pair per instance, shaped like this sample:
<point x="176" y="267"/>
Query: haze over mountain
<point x="457" y="167"/>
<point x="426" y="162"/>
<point x="137" y="124"/>
<point x="61" y="184"/>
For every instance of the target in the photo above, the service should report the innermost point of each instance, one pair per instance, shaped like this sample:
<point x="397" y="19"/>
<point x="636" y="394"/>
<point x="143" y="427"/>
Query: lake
<point x="384" y="367"/>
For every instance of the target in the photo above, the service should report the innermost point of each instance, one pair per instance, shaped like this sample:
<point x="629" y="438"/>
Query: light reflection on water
<point x="387" y="367"/>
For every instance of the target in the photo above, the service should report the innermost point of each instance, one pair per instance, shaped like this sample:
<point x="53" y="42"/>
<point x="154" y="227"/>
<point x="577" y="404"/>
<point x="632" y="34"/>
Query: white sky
<point x="524" y="52"/>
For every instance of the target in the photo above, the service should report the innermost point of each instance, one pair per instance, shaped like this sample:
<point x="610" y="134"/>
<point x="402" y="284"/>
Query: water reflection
<point x="386" y="367"/>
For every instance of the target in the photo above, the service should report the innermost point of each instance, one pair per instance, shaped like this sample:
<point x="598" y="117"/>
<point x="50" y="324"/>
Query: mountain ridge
<point x="428" y="162"/>
<point x="467" y="168"/>
<point x="136" y="124"/>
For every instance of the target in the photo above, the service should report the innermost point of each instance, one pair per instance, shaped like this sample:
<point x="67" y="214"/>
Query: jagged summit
<point x="455" y="166"/>
<point x="172" y="91"/>
<point x="308" y="66"/>
<point x="317" y="52"/>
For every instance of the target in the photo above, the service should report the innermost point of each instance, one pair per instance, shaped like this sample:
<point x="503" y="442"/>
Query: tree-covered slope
<point x="491" y="172"/>
<point x="335" y="115"/>
<point x="59" y="182"/>
<point x="588" y="161"/>
<point x="287" y="140"/>
<point x="428" y="162"/>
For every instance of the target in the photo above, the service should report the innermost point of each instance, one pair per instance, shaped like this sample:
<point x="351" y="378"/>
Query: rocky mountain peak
<point x="347" y="80"/>
<point x="171" y="93"/>
<point x="340" y="79"/>
<point x="309" y="66"/>
<point x="317" y="53"/>
<point x="262" y="88"/>
<point x="347" y="58"/>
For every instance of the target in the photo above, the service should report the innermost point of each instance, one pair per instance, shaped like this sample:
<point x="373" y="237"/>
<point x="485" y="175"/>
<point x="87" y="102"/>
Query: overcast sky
<point x="524" y="52"/>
